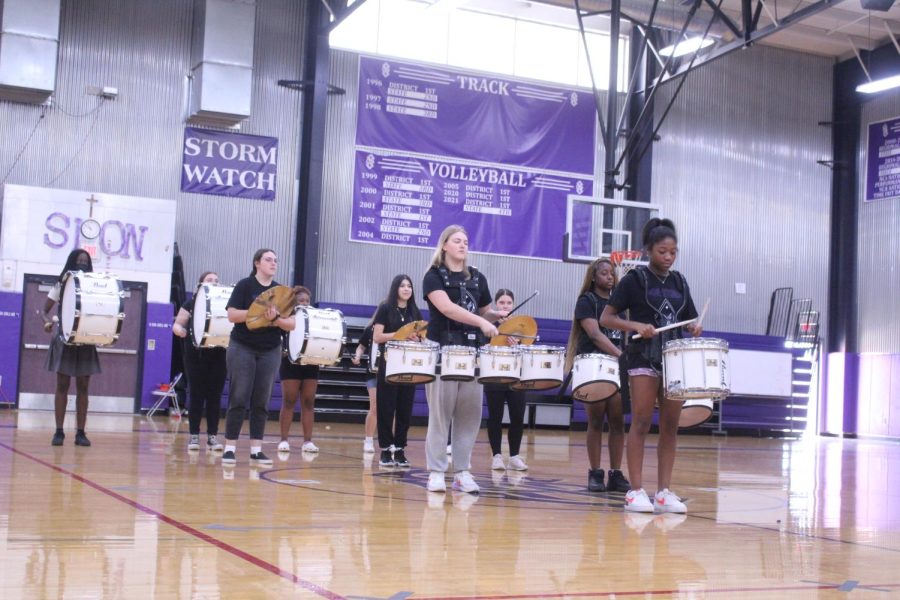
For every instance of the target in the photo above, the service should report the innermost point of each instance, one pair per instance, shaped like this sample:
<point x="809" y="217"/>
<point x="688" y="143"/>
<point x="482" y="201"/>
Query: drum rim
<point x="700" y="342"/>
<point x="500" y="350"/>
<point x="596" y="355"/>
<point x="458" y="349"/>
<point x="540" y="349"/>
<point x="424" y="345"/>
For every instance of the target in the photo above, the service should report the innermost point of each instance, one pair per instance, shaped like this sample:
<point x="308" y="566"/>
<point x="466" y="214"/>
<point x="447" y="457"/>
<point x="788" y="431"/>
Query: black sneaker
<point x="387" y="459"/>
<point x="595" y="480"/>
<point x="400" y="459"/>
<point x="81" y="439"/>
<point x="617" y="482"/>
<point x="58" y="439"/>
<point x="261" y="458"/>
<point x="228" y="458"/>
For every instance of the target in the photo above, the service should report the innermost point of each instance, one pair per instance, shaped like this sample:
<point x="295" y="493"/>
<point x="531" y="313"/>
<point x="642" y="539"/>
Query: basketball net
<point x="626" y="260"/>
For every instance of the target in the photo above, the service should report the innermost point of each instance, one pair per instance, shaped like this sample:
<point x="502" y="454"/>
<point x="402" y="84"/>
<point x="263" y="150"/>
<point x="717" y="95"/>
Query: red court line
<point x="774" y="588"/>
<point x="253" y="560"/>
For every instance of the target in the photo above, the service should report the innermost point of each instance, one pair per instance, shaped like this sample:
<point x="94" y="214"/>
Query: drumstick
<point x="666" y="328"/>
<point x="522" y="303"/>
<point x="702" y="313"/>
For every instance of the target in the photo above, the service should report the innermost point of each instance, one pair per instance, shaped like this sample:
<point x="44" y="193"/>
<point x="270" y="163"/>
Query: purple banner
<point x="229" y="164"/>
<point x="883" y="160"/>
<point x="408" y="201"/>
<point x="445" y="112"/>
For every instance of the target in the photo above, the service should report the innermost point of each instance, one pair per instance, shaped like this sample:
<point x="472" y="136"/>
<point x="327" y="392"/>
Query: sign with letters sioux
<point x="229" y="164"/>
<point x="437" y="146"/>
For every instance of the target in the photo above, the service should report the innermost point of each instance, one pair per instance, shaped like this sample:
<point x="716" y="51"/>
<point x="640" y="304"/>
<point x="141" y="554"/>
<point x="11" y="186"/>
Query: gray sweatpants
<point x="252" y="375"/>
<point x="459" y="403"/>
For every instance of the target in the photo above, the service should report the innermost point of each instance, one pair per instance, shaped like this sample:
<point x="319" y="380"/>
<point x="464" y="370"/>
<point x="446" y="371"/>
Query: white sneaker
<point x="517" y="464"/>
<point x="436" y="482"/>
<point x="638" y="501"/>
<point x="667" y="502"/>
<point x="309" y="447"/>
<point x="368" y="446"/>
<point x="213" y="444"/>
<point x="194" y="443"/>
<point x="284" y="446"/>
<point x="463" y="482"/>
<point x="449" y="449"/>
<point x="497" y="463"/>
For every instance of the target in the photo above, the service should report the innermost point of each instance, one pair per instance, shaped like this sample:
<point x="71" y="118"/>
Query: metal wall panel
<point x="878" y="245"/>
<point x="360" y="273"/>
<point x="736" y="170"/>
<point x="132" y="144"/>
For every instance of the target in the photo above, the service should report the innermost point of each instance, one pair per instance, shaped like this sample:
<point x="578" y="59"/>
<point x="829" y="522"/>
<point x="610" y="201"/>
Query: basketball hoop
<point x="626" y="260"/>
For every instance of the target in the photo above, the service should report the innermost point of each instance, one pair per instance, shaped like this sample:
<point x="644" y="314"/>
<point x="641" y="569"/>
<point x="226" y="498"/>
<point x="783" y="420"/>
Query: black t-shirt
<point x="243" y="295"/>
<point x="590" y="306"/>
<point x="394" y="317"/>
<point x="470" y="294"/>
<point x="653" y="300"/>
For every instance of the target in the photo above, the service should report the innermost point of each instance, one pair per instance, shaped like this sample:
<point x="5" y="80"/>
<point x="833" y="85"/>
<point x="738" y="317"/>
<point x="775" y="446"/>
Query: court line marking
<point x="184" y="527"/>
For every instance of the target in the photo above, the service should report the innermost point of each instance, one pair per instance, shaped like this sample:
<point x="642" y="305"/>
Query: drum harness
<point x="652" y="349"/>
<point x="465" y="335"/>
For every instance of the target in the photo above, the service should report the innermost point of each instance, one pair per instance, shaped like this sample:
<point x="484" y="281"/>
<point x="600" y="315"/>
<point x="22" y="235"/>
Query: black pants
<point x="206" y="373"/>
<point x="394" y="404"/>
<point x="496" y="396"/>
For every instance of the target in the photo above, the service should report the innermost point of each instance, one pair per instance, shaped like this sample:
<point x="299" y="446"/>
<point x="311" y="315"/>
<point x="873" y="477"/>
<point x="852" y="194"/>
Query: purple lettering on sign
<point x="49" y="224"/>
<point x="229" y="164"/>
<point x="883" y="160"/>
<point x="442" y="111"/>
<point x="408" y="201"/>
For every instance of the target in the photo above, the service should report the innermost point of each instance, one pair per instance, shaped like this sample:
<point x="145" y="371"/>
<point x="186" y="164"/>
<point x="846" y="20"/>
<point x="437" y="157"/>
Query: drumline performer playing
<point x="459" y="302"/>
<point x="656" y="296"/>
<point x="395" y="402"/>
<point x="496" y="394"/>
<point x="588" y="337"/>
<point x="78" y="361"/>
<point x="253" y="357"/>
<point x="298" y="381"/>
<point x="206" y="373"/>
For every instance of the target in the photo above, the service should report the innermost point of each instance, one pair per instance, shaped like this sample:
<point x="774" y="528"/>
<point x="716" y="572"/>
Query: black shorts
<point x="289" y="370"/>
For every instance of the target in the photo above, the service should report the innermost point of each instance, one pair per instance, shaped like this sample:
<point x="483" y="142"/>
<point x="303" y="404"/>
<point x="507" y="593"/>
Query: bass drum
<point x="209" y="323"/>
<point x="91" y="309"/>
<point x="317" y="338"/>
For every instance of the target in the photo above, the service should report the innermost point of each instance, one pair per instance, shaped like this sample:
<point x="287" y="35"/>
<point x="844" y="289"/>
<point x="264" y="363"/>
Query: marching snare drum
<point x="696" y="368"/>
<point x="318" y="336"/>
<point x="695" y="411"/>
<point x="210" y="324"/>
<point x="595" y="377"/>
<point x="91" y="309"/>
<point x="499" y="364"/>
<point x="542" y="368"/>
<point x="458" y="363"/>
<point x="410" y="362"/>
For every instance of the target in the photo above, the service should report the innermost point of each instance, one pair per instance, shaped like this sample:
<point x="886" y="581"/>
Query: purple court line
<point x="253" y="560"/>
<point x="774" y="588"/>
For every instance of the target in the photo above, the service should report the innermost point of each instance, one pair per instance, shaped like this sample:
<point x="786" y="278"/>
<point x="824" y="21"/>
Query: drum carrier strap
<point x="462" y="335"/>
<point x="652" y="349"/>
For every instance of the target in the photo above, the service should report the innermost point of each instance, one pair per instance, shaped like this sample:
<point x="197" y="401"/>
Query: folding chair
<point x="169" y="393"/>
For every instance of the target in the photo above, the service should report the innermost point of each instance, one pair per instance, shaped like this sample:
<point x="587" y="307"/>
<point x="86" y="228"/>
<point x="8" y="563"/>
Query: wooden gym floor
<point x="136" y="516"/>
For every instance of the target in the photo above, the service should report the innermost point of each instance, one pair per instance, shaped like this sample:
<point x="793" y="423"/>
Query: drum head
<point x="695" y="412"/>
<point x="67" y="305"/>
<point x="198" y="319"/>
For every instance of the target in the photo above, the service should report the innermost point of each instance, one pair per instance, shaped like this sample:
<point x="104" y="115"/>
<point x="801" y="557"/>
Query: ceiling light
<point x="688" y="46"/>
<point x="879" y="85"/>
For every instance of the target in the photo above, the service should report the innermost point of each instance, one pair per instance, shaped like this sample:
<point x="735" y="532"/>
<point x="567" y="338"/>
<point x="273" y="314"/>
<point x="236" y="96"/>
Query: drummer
<point x="656" y="296"/>
<point x="588" y="337"/>
<point x="67" y="361"/>
<point x="206" y="372"/>
<point x="496" y="394"/>
<point x="395" y="402"/>
<point x="298" y="381"/>
<point x="252" y="357"/>
<point x="459" y="303"/>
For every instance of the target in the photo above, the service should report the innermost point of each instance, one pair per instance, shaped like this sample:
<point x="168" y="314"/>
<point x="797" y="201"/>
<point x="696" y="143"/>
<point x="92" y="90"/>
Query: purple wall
<point x="10" y="340"/>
